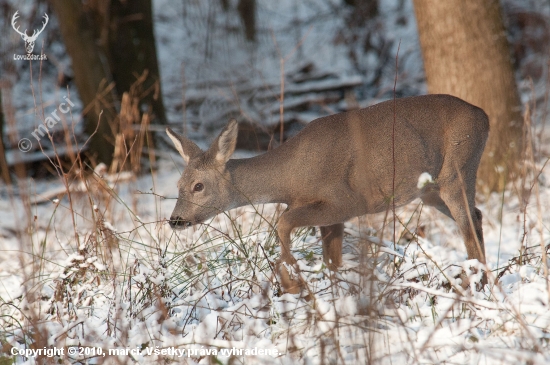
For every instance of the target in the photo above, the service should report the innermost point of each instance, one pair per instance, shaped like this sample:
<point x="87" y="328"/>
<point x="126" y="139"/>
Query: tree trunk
<point x="132" y="51"/>
<point x="364" y="10"/>
<point x="91" y="77"/>
<point x="3" y="162"/>
<point x="466" y="54"/>
<point x="247" y="12"/>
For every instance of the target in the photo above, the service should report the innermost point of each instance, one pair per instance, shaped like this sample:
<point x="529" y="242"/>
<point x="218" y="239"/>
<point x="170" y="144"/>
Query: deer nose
<point x="178" y="223"/>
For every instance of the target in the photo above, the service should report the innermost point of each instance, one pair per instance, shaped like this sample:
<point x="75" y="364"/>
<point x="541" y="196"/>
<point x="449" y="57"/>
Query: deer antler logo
<point x="29" y="41"/>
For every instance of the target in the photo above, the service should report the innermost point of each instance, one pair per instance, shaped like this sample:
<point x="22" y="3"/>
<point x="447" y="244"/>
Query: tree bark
<point x="3" y="162"/>
<point x="132" y="50"/>
<point x="247" y="12"/>
<point x="91" y="77"/>
<point x="466" y="54"/>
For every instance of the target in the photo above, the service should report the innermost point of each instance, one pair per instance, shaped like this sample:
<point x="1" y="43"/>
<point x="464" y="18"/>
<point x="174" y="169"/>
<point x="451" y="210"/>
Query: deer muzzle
<point x="178" y="223"/>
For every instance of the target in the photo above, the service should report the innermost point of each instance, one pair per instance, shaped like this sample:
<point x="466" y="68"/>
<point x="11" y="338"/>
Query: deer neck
<point x="258" y="180"/>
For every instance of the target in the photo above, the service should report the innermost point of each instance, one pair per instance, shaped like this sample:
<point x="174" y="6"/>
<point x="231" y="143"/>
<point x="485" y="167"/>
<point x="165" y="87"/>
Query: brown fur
<point x="341" y="166"/>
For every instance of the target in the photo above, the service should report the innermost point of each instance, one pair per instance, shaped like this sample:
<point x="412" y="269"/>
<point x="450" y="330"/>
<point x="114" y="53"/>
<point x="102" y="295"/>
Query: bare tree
<point x="3" y="162"/>
<point x="124" y="29"/>
<point x="466" y="54"/>
<point x="91" y="76"/>
<point x="247" y="12"/>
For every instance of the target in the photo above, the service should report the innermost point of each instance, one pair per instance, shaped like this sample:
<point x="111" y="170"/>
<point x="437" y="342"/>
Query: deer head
<point x="29" y="41"/>
<point x="205" y="188"/>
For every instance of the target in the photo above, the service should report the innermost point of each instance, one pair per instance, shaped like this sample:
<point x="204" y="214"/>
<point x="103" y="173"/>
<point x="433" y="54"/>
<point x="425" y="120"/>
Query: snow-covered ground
<point x="101" y="272"/>
<point x="122" y="279"/>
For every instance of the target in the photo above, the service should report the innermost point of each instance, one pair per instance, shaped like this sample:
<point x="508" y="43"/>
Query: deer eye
<point x="198" y="187"/>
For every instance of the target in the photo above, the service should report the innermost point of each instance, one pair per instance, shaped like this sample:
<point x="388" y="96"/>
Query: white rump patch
<point x="424" y="179"/>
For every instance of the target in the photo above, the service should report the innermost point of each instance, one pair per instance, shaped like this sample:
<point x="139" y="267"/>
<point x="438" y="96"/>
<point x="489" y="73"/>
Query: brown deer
<point x="342" y="166"/>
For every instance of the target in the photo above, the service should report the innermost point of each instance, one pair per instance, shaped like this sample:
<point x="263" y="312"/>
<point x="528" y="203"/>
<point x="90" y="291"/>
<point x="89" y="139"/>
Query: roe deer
<point x="341" y="166"/>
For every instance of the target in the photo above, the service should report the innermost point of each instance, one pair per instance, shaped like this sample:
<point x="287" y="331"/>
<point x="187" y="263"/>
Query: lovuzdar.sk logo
<point x="29" y="40"/>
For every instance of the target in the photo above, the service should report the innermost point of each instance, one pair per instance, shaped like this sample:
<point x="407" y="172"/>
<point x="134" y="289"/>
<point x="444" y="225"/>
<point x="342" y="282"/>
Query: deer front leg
<point x="316" y="214"/>
<point x="287" y="266"/>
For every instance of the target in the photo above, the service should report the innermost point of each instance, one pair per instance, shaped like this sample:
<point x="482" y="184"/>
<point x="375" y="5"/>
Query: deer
<point x="343" y="166"/>
<point x="29" y="41"/>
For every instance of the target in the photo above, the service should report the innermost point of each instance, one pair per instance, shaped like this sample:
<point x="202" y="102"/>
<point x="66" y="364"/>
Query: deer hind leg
<point x="432" y="198"/>
<point x="460" y="202"/>
<point x="464" y="225"/>
<point x="332" y="245"/>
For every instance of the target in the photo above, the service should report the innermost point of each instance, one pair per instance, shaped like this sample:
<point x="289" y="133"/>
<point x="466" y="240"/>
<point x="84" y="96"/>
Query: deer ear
<point x="226" y="142"/>
<point x="187" y="148"/>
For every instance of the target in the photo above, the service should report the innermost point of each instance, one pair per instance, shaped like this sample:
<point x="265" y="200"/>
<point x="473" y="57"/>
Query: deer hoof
<point x="289" y="278"/>
<point x="478" y="285"/>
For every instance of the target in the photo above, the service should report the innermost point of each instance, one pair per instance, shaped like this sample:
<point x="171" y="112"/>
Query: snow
<point x="424" y="179"/>
<point x="209" y="289"/>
